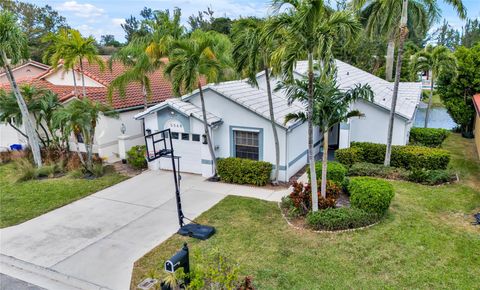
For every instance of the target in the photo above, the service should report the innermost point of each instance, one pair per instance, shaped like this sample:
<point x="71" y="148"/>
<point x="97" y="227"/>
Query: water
<point x="439" y="118"/>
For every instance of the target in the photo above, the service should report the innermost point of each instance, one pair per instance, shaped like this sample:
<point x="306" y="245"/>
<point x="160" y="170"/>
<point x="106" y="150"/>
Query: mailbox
<point x="179" y="260"/>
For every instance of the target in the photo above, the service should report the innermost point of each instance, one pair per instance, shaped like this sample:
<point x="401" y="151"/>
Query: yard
<point x="426" y="240"/>
<point x="21" y="201"/>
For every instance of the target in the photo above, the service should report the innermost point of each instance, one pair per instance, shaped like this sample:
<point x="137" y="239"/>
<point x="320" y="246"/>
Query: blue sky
<point x="98" y="17"/>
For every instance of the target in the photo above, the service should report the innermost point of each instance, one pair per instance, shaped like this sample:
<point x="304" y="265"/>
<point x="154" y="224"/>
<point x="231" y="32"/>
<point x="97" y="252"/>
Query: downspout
<point x="287" y="167"/>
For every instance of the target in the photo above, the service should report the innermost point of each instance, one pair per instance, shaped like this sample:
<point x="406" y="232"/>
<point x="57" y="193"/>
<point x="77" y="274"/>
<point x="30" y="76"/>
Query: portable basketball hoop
<point x="160" y="145"/>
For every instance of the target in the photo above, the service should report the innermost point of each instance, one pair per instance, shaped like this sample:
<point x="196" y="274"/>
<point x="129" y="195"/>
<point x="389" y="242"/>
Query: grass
<point x="425" y="241"/>
<point x="21" y="201"/>
<point x="436" y="101"/>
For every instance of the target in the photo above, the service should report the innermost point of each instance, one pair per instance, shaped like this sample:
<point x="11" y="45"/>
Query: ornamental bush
<point x="430" y="137"/>
<point x="343" y="218"/>
<point x="349" y="156"/>
<point x="335" y="171"/>
<point x="431" y="177"/>
<point x="136" y="156"/>
<point x="370" y="194"/>
<point x="244" y="171"/>
<point x="377" y="170"/>
<point x="408" y="157"/>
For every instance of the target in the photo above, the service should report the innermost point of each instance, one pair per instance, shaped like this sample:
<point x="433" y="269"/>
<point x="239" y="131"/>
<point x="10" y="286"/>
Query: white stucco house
<point x="238" y="118"/>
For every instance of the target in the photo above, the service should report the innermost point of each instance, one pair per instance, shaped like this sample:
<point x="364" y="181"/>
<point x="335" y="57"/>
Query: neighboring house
<point x="109" y="130"/>
<point x="238" y="117"/>
<point x="476" y="129"/>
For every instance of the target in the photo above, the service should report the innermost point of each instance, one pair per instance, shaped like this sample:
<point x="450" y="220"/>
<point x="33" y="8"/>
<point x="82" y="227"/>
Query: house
<point x="239" y="122"/>
<point x="109" y="131"/>
<point x="476" y="128"/>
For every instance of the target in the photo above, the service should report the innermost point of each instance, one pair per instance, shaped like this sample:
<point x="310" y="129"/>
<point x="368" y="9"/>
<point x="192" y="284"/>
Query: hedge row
<point x="409" y="157"/>
<point x="370" y="194"/>
<point x="335" y="171"/>
<point x="334" y="219"/>
<point x="430" y="137"/>
<point x="244" y="171"/>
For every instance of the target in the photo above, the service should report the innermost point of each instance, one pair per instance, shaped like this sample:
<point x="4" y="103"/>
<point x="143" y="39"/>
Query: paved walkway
<point x="92" y="243"/>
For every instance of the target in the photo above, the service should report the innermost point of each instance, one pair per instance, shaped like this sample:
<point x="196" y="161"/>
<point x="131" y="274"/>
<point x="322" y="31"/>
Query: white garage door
<point x="189" y="152"/>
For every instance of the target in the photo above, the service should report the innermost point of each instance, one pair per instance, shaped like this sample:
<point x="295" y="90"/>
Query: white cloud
<point x="81" y="10"/>
<point x="118" y="21"/>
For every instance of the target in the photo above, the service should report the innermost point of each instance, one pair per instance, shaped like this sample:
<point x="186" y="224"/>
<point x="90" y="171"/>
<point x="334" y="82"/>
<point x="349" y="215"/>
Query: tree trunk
<point x="389" y="59"/>
<point x="83" y="79"/>
<point x="403" y="36"/>
<point x="75" y="92"/>
<point x="79" y="153"/>
<point x="89" y="148"/>
<point x="274" y="127"/>
<point x="324" y="164"/>
<point x="145" y="97"/>
<point x="311" y="153"/>
<point x="207" y="133"/>
<point x="429" y="107"/>
<point x="32" y="137"/>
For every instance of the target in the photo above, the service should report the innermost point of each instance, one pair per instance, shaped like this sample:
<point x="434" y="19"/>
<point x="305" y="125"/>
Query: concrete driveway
<point x="92" y="243"/>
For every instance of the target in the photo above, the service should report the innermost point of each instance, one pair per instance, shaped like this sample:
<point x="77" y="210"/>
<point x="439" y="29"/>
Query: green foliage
<point x="299" y="202"/>
<point x="333" y="219"/>
<point x="429" y="137"/>
<point x="349" y="156"/>
<point x="136" y="156"/>
<point x="431" y="177"/>
<point x="24" y="170"/>
<point x="335" y="171"/>
<point x="370" y="194"/>
<point x="244" y="171"/>
<point x="377" y="170"/>
<point x="405" y="156"/>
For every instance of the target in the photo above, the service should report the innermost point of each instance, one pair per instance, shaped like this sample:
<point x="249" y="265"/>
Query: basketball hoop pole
<point x="177" y="190"/>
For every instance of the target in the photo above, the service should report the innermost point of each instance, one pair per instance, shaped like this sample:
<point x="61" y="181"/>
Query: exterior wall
<point x="65" y="78"/>
<point x="373" y="127"/>
<point x="9" y="136"/>
<point x="27" y="71"/>
<point x="476" y="132"/>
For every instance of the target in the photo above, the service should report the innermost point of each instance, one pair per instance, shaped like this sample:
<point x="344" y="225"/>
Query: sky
<point x="100" y="17"/>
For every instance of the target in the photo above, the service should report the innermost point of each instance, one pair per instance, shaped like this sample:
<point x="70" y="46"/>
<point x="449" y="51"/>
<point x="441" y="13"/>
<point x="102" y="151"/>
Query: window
<point x="174" y="135"/>
<point x="246" y="144"/>
<point x="185" y="136"/>
<point x="79" y="137"/>
<point x="196" y="137"/>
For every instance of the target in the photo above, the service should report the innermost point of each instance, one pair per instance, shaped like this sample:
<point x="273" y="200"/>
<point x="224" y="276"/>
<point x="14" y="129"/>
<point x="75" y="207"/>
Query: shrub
<point x="299" y="201"/>
<point x="47" y="170"/>
<point x="377" y="170"/>
<point x="335" y="171"/>
<point x="431" y="177"/>
<point x="349" y="156"/>
<point x="405" y="156"/>
<point x="244" y="171"/>
<point x="370" y="194"/>
<point x="343" y="218"/>
<point x="429" y="137"/>
<point x="5" y="156"/>
<point x="136" y="156"/>
<point x="25" y="170"/>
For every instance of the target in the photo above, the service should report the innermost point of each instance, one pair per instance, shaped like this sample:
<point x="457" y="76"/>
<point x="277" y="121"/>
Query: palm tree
<point x="202" y="56"/>
<point x="331" y="106"/>
<point x="72" y="48"/>
<point x="80" y="117"/>
<point x="403" y="32"/>
<point x="433" y="60"/>
<point x="252" y="53"/>
<point x="310" y="28"/>
<point x="382" y="17"/>
<point x="13" y="48"/>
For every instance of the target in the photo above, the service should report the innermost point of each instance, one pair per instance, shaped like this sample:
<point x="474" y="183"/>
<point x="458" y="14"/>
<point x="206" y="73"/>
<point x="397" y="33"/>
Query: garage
<point x="187" y="147"/>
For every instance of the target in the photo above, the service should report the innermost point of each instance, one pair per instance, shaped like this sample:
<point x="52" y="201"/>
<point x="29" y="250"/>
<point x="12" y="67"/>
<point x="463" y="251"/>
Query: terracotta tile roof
<point x="476" y="103"/>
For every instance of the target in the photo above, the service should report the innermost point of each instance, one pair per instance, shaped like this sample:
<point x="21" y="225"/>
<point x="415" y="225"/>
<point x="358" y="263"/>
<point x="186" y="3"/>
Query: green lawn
<point x="436" y="101"/>
<point x="21" y="201"/>
<point x="426" y="240"/>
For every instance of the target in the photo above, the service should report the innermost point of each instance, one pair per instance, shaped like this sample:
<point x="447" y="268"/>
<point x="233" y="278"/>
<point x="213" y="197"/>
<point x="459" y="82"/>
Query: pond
<point x="439" y="118"/>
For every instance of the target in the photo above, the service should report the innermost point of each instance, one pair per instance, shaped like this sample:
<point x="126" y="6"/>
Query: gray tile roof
<point x="186" y="108"/>
<point x="347" y="76"/>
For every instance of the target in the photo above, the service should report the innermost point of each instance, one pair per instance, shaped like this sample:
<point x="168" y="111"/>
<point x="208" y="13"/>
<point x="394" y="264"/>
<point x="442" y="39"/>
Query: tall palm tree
<point x="434" y="60"/>
<point x="383" y="16"/>
<point x="204" y="55"/>
<point x="331" y="106"/>
<point x="72" y="48"/>
<point x="403" y="33"/>
<point x="13" y="48"/>
<point x="252" y="52"/>
<point x="311" y="28"/>
<point x="80" y="117"/>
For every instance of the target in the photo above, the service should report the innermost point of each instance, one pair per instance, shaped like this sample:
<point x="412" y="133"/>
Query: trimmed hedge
<point x="136" y="156"/>
<point x="409" y="157"/>
<point x="349" y="156"/>
<point x="370" y="194"/>
<point x="343" y="218"/>
<point x="244" y="171"/>
<point x="335" y="171"/>
<point x="430" y="137"/>
<point x="377" y="170"/>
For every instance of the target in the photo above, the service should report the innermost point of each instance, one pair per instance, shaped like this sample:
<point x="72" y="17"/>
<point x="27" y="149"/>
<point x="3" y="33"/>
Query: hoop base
<point x="197" y="231"/>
